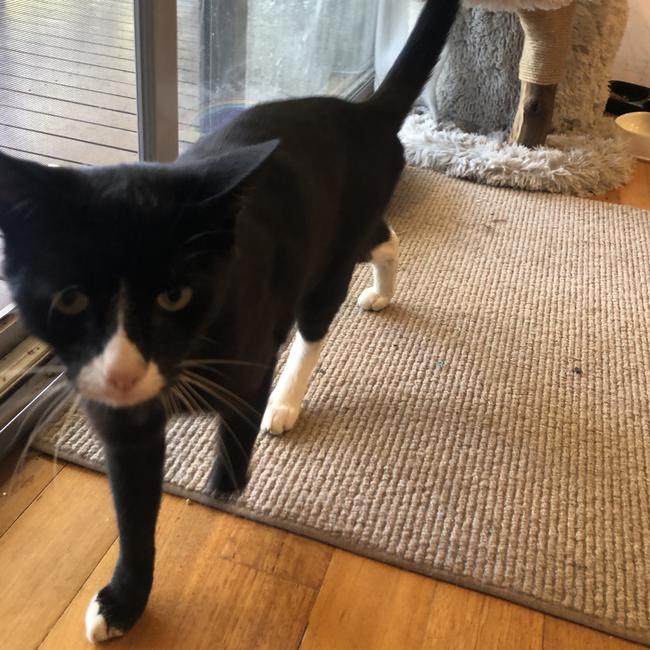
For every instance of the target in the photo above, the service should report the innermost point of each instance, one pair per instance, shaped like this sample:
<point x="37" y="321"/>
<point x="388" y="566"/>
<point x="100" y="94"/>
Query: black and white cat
<point x="181" y="280"/>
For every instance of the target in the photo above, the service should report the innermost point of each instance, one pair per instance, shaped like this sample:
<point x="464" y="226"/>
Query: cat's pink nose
<point x="124" y="379"/>
<point x="123" y="364"/>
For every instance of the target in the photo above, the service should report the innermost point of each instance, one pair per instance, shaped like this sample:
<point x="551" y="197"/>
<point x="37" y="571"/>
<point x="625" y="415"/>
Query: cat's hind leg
<point x="315" y="314"/>
<point x="384" y="259"/>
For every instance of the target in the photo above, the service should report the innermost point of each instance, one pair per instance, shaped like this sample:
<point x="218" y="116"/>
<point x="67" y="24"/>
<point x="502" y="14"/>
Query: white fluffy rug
<point x="570" y="164"/>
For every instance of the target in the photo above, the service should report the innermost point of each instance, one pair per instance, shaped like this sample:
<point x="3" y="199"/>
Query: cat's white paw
<point x="279" y="417"/>
<point x="371" y="300"/>
<point x="97" y="630"/>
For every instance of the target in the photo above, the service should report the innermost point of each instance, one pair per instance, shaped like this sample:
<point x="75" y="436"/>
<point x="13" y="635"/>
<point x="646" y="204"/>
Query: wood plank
<point x="48" y="553"/>
<point x="91" y="115"/>
<point x="76" y="95"/>
<point x="64" y="148"/>
<point x="60" y="126"/>
<point x="116" y="23"/>
<point x="84" y="112"/>
<point x="200" y="598"/>
<point x="80" y="75"/>
<point x="118" y="47"/>
<point x="28" y="155"/>
<point x="366" y="605"/>
<point x="28" y="76"/>
<point x="563" y="635"/>
<point x="456" y="619"/>
<point x="16" y="494"/>
<point x="11" y="57"/>
<point x="68" y="79"/>
<point x="187" y="54"/>
<point x="58" y="53"/>
<point x="636" y="192"/>
<point x="188" y="68"/>
<point x="275" y="552"/>
<point x="89" y="7"/>
<point x="503" y="624"/>
<point x="85" y="32"/>
<point x="62" y="108"/>
<point x="41" y="37"/>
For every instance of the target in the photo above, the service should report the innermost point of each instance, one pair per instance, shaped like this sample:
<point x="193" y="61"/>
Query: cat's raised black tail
<point x="413" y="66"/>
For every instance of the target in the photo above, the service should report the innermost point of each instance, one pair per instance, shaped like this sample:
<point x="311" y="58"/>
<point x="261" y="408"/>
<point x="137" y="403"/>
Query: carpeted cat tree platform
<point x="517" y="99"/>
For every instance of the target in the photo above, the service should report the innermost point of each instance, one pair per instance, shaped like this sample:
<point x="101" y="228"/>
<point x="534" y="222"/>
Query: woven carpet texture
<point x="492" y="426"/>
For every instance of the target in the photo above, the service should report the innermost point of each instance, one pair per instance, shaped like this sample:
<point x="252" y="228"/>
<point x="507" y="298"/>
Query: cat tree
<point x="519" y="74"/>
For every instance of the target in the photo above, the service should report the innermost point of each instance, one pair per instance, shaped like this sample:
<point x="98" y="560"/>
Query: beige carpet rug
<point x="492" y="426"/>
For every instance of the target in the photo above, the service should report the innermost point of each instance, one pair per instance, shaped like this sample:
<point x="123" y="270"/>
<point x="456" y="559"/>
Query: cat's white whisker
<point x="191" y="256"/>
<point x="223" y="362"/>
<point x="166" y="404"/>
<point x="189" y="400"/>
<point x="208" y="383"/>
<point x="223" y="399"/>
<point x="221" y="419"/>
<point x="206" y="368"/>
<point x="187" y="387"/>
<point x="184" y="394"/>
<point x="191" y="404"/>
<point x="173" y="399"/>
<point x="175" y="393"/>
<point x="224" y="449"/>
<point x="61" y="428"/>
<point x="59" y="395"/>
<point x="200" y="235"/>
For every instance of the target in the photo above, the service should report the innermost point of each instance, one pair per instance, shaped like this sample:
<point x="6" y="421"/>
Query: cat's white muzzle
<point x="119" y="375"/>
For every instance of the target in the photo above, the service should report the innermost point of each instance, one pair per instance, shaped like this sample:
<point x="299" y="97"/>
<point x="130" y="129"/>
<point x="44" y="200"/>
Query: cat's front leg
<point x="284" y="405"/>
<point x="134" y="447"/>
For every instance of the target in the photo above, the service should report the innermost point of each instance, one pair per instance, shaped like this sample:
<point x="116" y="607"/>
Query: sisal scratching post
<point x="547" y="43"/>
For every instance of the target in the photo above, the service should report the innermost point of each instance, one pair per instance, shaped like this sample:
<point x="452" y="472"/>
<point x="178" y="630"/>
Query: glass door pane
<point x="67" y="86"/>
<point x="235" y="53"/>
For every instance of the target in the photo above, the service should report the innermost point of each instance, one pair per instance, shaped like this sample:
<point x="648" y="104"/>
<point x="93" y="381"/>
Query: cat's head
<point x="119" y="268"/>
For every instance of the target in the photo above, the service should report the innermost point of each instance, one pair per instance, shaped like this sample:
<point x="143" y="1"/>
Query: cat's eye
<point x="70" y="302"/>
<point x="175" y="299"/>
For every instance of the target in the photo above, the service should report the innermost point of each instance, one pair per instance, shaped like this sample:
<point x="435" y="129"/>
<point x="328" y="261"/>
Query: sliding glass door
<point x="232" y="54"/>
<point x="262" y="50"/>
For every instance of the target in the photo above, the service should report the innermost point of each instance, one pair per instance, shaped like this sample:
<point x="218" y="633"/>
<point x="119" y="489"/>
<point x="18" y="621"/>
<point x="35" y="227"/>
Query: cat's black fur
<point x="265" y="220"/>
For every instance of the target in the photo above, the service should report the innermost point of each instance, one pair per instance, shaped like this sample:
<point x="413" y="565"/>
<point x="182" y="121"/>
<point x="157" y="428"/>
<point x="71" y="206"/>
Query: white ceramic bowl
<point x="636" y="127"/>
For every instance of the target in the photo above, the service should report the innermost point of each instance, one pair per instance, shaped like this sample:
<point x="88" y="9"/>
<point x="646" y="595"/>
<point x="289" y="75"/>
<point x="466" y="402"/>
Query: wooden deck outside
<point x="67" y="79"/>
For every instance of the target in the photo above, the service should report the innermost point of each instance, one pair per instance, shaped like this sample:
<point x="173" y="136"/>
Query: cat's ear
<point x="235" y="167"/>
<point x="25" y="181"/>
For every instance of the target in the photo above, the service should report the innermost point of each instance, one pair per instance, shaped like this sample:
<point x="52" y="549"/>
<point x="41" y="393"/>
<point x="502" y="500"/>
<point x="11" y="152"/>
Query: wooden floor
<point x="223" y="582"/>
